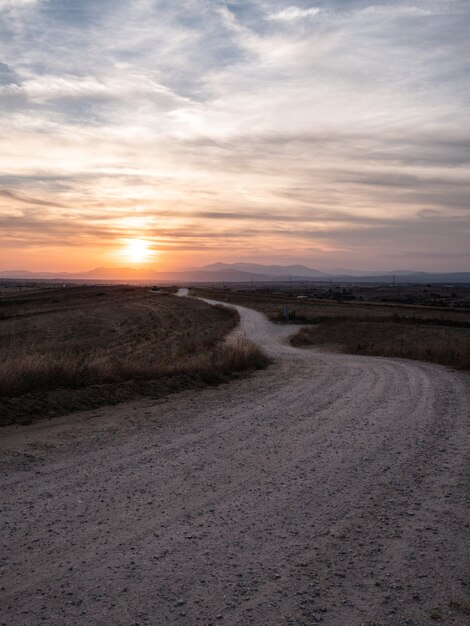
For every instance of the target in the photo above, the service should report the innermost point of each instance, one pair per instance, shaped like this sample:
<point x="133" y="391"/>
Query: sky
<point x="334" y="133"/>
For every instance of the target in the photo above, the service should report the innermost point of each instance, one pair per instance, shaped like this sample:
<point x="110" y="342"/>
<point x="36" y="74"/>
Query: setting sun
<point x="137" y="251"/>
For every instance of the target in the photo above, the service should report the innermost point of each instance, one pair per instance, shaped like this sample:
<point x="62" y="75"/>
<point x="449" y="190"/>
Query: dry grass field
<point x="439" y="335"/>
<point x="102" y="340"/>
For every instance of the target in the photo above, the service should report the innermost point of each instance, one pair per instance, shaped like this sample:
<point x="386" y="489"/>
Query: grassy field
<point x="94" y="338"/>
<point x="440" y="335"/>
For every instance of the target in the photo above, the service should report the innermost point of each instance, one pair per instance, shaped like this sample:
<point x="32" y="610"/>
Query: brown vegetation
<point x="439" y="344"/>
<point x="440" y="335"/>
<point x="86" y="337"/>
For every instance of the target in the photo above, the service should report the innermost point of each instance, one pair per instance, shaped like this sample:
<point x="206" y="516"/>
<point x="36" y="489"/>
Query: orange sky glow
<point x="234" y="132"/>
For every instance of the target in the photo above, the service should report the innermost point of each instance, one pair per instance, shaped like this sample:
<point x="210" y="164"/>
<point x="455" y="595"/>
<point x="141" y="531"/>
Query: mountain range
<point x="242" y="273"/>
<point x="271" y="270"/>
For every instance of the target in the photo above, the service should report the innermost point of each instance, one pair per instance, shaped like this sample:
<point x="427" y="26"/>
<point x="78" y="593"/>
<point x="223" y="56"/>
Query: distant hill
<point x="269" y="270"/>
<point x="405" y="277"/>
<point x="128" y="274"/>
<point x="99" y="273"/>
<point x="18" y="274"/>
<point x="239" y="273"/>
<point x="341" y="271"/>
<point x="116" y="273"/>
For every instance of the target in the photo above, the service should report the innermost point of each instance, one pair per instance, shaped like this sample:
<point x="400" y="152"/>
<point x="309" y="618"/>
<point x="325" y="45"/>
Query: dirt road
<point x="328" y="488"/>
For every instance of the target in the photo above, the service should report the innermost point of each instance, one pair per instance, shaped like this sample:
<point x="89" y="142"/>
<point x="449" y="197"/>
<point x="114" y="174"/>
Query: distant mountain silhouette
<point x="240" y="273"/>
<point x="116" y="273"/>
<point x="99" y="273"/>
<point x="270" y="270"/>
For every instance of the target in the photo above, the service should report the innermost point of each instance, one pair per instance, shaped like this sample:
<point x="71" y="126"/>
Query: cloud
<point x="8" y="76"/>
<point x="293" y="13"/>
<point x="400" y="10"/>
<point x="185" y="123"/>
<point x="27" y="199"/>
<point x="123" y="85"/>
<point x="8" y="4"/>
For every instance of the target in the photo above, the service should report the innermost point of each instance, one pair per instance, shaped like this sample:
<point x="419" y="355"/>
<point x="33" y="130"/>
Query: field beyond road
<point x="326" y="488"/>
<point x="69" y="348"/>
<point x="424" y="333"/>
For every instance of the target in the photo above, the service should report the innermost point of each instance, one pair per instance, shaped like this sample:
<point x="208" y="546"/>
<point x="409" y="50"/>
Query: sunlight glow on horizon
<point x="138" y="251"/>
<point x="234" y="131"/>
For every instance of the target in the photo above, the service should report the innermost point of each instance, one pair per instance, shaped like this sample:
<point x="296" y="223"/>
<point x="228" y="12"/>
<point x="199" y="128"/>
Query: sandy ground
<point x="328" y="488"/>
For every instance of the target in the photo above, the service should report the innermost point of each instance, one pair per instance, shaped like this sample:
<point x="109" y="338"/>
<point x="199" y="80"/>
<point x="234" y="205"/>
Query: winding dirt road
<point x="328" y="488"/>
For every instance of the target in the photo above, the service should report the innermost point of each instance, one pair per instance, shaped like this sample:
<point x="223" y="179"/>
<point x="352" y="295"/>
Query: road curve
<point x="327" y="488"/>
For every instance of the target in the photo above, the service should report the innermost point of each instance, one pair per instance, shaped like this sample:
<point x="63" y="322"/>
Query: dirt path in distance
<point x="328" y="488"/>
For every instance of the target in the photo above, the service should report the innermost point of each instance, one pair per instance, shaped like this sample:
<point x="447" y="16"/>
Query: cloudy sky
<point x="334" y="133"/>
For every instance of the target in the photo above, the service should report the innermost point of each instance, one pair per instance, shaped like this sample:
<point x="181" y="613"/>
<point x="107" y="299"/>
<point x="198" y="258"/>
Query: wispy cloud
<point x="7" y="4"/>
<point x="293" y="13"/>
<point x="68" y="87"/>
<point x="342" y="127"/>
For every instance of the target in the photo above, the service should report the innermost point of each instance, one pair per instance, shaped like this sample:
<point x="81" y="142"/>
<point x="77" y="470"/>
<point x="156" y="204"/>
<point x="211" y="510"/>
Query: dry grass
<point x="415" y="332"/>
<point x="83" y="337"/>
<point x="26" y="373"/>
<point x="445" y="345"/>
<point x="313" y="311"/>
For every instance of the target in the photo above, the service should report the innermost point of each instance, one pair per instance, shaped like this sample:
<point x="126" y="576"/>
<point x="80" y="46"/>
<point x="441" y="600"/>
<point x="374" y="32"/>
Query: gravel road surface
<point x="326" y="489"/>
